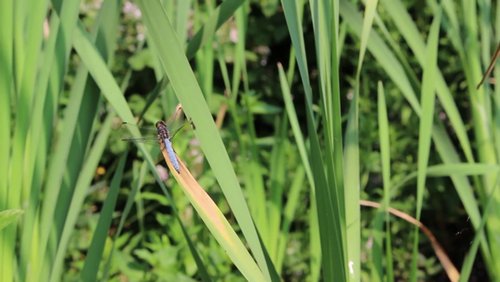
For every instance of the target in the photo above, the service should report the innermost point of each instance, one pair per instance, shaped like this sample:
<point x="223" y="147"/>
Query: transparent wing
<point x="148" y="133"/>
<point x="175" y="123"/>
<point x="186" y="125"/>
<point x="178" y="122"/>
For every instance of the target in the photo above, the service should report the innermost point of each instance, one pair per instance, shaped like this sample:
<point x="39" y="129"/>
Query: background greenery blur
<point x="318" y="104"/>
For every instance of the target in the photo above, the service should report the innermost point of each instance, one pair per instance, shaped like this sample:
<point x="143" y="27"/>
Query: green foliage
<point x="299" y="109"/>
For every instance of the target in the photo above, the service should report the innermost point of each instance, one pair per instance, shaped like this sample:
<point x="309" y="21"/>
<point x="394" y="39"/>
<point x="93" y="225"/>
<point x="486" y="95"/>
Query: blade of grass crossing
<point x="448" y="170"/>
<point x="425" y="130"/>
<point x="187" y="89"/>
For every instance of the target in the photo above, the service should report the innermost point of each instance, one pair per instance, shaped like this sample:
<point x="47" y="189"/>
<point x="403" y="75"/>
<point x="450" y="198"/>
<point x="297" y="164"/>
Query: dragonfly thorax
<point x="162" y="130"/>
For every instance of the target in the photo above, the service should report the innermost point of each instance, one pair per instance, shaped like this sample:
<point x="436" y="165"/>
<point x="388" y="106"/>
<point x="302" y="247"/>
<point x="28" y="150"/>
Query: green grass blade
<point x="253" y="171"/>
<point x="351" y="158"/>
<point x="450" y="169"/>
<point x="353" y="186"/>
<point x="220" y="15"/>
<point x="293" y="201"/>
<point x="299" y="139"/>
<point x="20" y="32"/>
<point x="381" y="53"/>
<point x="7" y="90"/>
<point x="462" y="169"/>
<point x="6" y="87"/>
<point x="370" y="12"/>
<point x="462" y="185"/>
<point x="80" y="192"/>
<point x="469" y="259"/>
<point x="56" y="69"/>
<point x="331" y="194"/>
<point x="425" y="130"/>
<point x="204" y="58"/>
<point x="412" y="36"/>
<point x="294" y="123"/>
<point x="277" y="177"/>
<point x="102" y="76"/>
<point x="94" y="255"/>
<point x="151" y="97"/>
<point x="385" y="156"/>
<point x="328" y="183"/>
<point x="376" y="258"/>
<point x="80" y="166"/>
<point x="9" y="216"/>
<point x="134" y="195"/>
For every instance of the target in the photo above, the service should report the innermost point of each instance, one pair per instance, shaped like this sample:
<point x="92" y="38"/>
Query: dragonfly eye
<point x="159" y="123"/>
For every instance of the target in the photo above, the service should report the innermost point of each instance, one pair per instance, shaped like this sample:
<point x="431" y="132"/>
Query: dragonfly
<point x="164" y="138"/>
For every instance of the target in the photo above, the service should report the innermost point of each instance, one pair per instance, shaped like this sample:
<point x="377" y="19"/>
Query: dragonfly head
<point x="160" y="123"/>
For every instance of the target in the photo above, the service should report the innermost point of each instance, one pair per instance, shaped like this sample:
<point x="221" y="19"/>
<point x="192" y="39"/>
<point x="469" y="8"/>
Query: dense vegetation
<point x="321" y="140"/>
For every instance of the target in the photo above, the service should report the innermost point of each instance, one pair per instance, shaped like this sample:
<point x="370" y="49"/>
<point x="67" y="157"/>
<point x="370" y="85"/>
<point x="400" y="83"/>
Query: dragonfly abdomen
<point x="171" y="154"/>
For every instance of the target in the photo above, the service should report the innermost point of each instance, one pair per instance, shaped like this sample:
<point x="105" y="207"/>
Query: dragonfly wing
<point x="140" y="139"/>
<point x="149" y="133"/>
